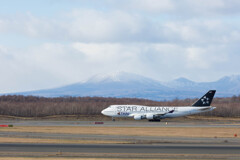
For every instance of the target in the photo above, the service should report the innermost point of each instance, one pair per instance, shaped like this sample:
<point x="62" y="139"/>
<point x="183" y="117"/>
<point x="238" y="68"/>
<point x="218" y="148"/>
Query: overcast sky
<point x="50" y="43"/>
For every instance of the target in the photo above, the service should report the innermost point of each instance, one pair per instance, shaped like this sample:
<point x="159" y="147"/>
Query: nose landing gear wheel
<point x="113" y="119"/>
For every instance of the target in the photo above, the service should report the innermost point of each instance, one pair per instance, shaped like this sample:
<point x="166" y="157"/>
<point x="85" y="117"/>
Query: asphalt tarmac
<point x="123" y="148"/>
<point x="200" y="123"/>
<point x="140" y="146"/>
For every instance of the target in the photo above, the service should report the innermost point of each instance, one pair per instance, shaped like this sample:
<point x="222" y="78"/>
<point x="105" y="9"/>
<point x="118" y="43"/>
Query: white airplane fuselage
<point x="156" y="113"/>
<point x="153" y="112"/>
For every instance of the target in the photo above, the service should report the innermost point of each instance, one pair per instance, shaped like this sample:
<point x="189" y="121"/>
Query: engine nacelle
<point x="138" y="117"/>
<point x="150" y="116"/>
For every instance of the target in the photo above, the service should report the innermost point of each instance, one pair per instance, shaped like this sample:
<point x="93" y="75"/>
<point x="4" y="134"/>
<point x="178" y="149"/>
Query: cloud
<point x="154" y="6"/>
<point x="54" y="64"/>
<point x="87" y="25"/>
<point x="84" y="25"/>
<point x="160" y="39"/>
<point x="185" y="8"/>
<point x="127" y="25"/>
<point x="211" y="8"/>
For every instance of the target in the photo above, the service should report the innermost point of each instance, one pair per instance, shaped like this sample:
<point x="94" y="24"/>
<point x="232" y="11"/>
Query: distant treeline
<point x="30" y="106"/>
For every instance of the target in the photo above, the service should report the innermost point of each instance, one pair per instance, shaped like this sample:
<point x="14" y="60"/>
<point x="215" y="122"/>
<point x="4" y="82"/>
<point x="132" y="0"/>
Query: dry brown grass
<point x="51" y="141"/>
<point x="133" y="131"/>
<point x="210" y="118"/>
<point x="63" y="158"/>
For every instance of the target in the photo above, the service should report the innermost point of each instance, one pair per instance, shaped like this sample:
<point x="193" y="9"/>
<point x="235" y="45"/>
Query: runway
<point x="170" y="123"/>
<point x="123" y="148"/>
<point x="120" y="139"/>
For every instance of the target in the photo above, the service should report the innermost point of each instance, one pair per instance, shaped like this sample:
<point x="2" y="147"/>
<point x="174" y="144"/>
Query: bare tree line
<point x="30" y="106"/>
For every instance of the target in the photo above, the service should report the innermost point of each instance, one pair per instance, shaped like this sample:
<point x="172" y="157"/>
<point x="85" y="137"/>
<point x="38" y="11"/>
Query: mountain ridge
<point x="129" y="85"/>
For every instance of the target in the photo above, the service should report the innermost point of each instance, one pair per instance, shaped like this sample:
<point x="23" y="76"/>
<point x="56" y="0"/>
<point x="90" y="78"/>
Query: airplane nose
<point x="103" y="112"/>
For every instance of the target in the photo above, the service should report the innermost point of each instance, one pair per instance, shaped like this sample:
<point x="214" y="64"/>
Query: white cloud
<point x="3" y="49"/>
<point x="54" y="64"/>
<point x="153" y="5"/>
<point x="210" y="8"/>
<point x="91" y="25"/>
<point x="185" y="8"/>
<point x="85" y="25"/>
<point x="197" y="58"/>
<point x="161" y="39"/>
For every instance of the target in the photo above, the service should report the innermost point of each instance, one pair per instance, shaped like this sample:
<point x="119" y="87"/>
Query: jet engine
<point x="150" y="116"/>
<point x="138" y="117"/>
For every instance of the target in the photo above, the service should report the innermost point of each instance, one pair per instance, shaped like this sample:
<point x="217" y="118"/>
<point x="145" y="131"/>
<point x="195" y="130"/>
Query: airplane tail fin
<point x="205" y="100"/>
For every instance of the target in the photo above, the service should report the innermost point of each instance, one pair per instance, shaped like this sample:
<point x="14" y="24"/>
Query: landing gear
<point x="113" y="119"/>
<point x="154" y="120"/>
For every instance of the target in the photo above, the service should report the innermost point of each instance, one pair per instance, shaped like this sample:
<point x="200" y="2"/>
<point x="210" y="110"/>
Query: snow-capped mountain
<point x="121" y="84"/>
<point x="226" y="86"/>
<point x="124" y="77"/>
<point x="180" y="83"/>
<point x="130" y="85"/>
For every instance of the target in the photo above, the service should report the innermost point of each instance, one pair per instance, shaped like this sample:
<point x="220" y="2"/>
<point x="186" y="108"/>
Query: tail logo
<point x="205" y="100"/>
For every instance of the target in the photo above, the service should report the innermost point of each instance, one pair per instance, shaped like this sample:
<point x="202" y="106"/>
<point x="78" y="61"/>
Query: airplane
<point x="156" y="113"/>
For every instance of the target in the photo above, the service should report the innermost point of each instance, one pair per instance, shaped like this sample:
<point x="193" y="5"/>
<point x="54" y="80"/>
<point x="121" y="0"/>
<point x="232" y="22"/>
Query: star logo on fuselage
<point x="205" y="100"/>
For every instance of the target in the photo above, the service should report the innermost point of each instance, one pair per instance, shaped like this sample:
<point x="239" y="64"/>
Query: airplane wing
<point x="165" y="113"/>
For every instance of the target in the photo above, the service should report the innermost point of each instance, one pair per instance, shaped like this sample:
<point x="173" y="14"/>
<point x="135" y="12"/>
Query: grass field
<point x="55" y="141"/>
<point x="51" y="158"/>
<point x="75" y="158"/>
<point x="83" y="156"/>
<point x="133" y="131"/>
<point x="105" y="118"/>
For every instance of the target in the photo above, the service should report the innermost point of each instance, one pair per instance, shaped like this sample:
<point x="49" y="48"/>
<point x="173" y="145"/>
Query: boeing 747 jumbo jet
<point x="156" y="113"/>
